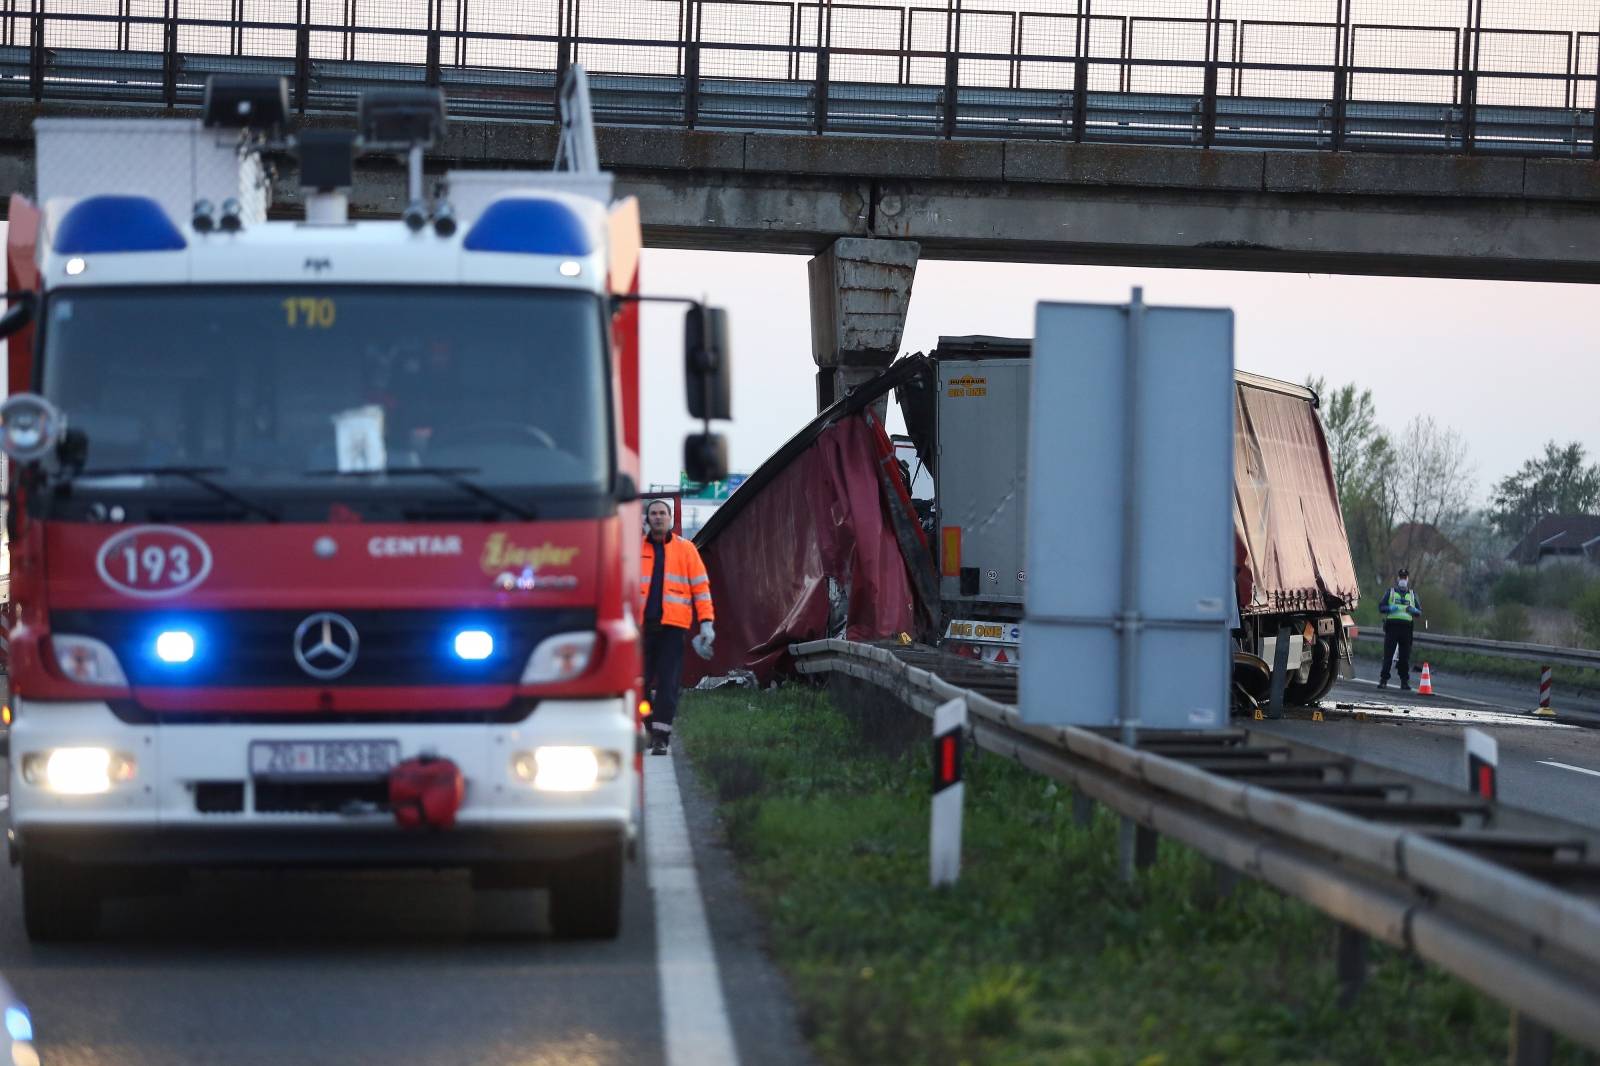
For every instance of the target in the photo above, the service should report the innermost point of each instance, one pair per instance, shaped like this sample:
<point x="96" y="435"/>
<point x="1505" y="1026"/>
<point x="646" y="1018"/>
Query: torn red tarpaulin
<point x="811" y="541"/>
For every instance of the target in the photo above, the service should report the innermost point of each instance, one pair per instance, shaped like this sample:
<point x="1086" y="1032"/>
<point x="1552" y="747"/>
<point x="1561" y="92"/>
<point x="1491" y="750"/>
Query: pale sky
<point x="1508" y="364"/>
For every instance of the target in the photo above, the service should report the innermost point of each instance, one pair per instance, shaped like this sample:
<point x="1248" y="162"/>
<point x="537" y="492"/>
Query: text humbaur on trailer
<point x="325" y="530"/>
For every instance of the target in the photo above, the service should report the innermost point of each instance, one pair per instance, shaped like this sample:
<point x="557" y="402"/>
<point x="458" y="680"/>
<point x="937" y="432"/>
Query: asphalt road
<point x="311" y="968"/>
<point x="1551" y="766"/>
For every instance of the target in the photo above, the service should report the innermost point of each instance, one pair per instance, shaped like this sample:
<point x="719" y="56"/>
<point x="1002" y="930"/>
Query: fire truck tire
<point x="59" y="901"/>
<point x="586" y="896"/>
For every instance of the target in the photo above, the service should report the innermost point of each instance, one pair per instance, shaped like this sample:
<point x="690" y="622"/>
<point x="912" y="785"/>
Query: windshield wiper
<point x="453" y="475"/>
<point x="195" y="475"/>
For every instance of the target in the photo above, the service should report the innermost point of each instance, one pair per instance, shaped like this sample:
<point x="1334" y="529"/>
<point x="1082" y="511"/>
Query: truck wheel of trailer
<point x="1324" y="672"/>
<point x="60" y="901"/>
<point x="586" y="896"/>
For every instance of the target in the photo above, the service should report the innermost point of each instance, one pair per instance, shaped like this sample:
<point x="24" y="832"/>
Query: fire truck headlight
<point x="76" y="265"/>
<point x="77" y="771"/>
<point x="559" y="658"/>
<point x="566" y="769"/>
<point x="87" y="661"/>
<point x="474" y="645"/>
<point x="175" y="646"/>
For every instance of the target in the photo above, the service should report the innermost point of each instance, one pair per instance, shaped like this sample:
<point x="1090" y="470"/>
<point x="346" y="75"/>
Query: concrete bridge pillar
<point x="860" y="290"/>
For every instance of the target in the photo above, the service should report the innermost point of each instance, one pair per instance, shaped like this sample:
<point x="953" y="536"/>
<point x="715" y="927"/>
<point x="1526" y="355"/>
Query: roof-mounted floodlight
<point x="246" y="102"/>
<point x="327" y="171"/>
<point x="327" y="159"/>
<point x="401" y="119"/>
<point x="407" y="121"/>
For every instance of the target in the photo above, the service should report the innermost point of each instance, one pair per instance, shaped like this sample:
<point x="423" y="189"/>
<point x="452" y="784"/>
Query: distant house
<point x="1420" y="547"/>
<point x="1557" y="539"/>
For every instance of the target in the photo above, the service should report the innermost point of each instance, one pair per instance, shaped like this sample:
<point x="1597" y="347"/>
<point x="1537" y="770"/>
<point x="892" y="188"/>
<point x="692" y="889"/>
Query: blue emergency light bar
<point x="104" y="224"/>
<point x="531" y="227"/>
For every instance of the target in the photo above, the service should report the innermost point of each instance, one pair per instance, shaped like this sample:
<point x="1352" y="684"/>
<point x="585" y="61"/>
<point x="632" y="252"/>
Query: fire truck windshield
<point x="277" y="386"/>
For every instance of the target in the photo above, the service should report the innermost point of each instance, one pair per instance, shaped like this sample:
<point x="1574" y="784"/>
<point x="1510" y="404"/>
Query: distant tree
<point x="1558" y="482"/>
<point x="1363" y="467"/>
<point x="1483" y="551"/>
<point x="1350" y="419"/>
<point x="1431" y="483"/>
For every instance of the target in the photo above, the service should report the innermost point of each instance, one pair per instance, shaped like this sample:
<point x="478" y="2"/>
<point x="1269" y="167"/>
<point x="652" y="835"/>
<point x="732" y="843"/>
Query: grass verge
<point x="1568" y="680"/>
<point x="1040" y="955"/>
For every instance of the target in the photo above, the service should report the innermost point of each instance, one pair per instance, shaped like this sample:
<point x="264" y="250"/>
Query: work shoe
<point x="1405" y="685"/>
<point x="1383" y="682"/>
<point x="658" y="747"/>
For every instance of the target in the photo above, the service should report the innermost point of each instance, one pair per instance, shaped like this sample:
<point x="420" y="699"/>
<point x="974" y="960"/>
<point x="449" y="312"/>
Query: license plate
<point x="323" y="758"/>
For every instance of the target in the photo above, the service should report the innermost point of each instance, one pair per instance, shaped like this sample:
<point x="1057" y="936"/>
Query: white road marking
<point x="693" y="1014"/>
<point x="1564" y="766"/>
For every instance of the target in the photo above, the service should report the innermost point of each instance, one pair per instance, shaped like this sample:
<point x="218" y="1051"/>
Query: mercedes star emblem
<point x="325" y="645"/>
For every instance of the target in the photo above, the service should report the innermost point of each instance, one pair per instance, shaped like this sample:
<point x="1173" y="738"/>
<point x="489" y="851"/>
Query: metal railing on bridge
<point x="1457" y="76"/>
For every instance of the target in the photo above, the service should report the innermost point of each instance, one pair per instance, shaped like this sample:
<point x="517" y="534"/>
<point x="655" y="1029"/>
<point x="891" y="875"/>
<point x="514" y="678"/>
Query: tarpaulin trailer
<point x="968" y="420"/>
<point x="825" y="539"/>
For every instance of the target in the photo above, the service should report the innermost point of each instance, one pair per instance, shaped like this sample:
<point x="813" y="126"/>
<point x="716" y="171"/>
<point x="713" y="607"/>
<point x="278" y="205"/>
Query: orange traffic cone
<point x="1426" y="687"/>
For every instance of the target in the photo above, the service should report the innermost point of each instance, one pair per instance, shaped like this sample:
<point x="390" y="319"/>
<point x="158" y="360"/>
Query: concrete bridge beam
<point x="860" y="292"/>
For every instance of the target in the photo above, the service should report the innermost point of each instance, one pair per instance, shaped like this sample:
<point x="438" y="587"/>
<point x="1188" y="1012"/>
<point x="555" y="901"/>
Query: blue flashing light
<point x="474" y="645"/>
<point x="101" y="224"/>
<point x="532" y="227"/>
<point x="175" y="646"/>
<point x="18" y="1025"/>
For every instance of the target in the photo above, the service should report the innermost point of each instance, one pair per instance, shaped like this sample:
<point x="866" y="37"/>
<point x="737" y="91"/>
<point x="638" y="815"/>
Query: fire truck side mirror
<point x="705" y="457"/>
<point x="19" y="314"/>
<point x="30" y="427"/>
<point x="705" y="355"/>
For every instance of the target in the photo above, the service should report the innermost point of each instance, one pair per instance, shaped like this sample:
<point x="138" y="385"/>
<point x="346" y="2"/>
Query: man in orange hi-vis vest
<point x="676" y="597"/>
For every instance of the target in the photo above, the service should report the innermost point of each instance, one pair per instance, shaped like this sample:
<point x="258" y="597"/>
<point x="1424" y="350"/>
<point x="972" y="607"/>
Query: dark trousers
<point x="663" y="673"/>
<point x="1397" y="635"/>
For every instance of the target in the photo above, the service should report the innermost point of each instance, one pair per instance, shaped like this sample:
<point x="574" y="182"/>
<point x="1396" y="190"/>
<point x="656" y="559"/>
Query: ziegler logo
<point x="501" y="553"/>
<point x="318" y="265"/>
<point x="153" y="562"/>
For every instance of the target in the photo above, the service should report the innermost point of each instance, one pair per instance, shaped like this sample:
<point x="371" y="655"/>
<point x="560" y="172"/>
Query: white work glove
<point x="702" y="643"/>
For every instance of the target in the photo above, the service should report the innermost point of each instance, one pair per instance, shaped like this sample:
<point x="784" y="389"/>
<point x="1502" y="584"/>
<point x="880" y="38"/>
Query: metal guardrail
<point x="1542" y="654"/>
<point x="1479" y="76"/>
<point x="1529" y="941"/>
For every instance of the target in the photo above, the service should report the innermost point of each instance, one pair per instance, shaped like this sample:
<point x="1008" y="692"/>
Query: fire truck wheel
<point x="586" y="896"/>
<point x="59" y="901"/>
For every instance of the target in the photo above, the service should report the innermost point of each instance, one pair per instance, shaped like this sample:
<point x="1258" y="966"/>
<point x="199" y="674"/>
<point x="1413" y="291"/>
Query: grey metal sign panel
<point x="1114" y="637"/>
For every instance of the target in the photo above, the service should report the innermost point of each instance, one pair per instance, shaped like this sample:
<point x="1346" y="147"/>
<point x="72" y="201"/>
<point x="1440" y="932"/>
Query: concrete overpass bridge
<point x="1205" y="133"/>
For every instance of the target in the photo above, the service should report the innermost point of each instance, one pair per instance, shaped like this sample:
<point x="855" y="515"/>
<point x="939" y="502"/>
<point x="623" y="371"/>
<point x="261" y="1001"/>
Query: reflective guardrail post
<point x="944" y="835"/>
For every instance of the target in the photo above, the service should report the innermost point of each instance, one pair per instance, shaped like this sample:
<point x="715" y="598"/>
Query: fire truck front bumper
<point x="89" y="788"/>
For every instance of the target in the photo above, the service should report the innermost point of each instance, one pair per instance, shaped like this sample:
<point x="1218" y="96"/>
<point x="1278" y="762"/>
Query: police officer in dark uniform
<point x="1399" y="607"/>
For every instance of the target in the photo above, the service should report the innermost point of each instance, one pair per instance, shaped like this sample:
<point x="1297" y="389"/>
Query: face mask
<point x="1402" y="584"/>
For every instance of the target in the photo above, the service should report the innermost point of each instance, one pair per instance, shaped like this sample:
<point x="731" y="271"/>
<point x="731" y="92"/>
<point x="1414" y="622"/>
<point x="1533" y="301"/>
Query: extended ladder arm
<point x="576" y="150"/>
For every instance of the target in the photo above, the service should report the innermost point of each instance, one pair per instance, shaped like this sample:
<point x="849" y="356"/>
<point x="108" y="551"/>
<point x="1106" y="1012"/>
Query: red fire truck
<point x="324" y="530"/>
